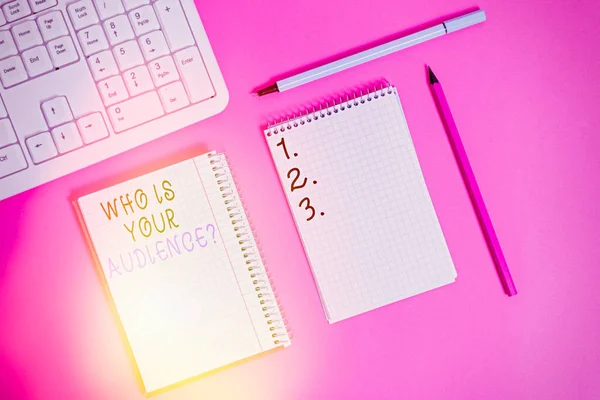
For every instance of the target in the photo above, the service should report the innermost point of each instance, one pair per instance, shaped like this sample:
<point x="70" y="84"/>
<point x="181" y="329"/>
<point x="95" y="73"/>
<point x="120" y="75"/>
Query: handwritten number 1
<point x="308" y="207"/>
<point x="282" y="143"/>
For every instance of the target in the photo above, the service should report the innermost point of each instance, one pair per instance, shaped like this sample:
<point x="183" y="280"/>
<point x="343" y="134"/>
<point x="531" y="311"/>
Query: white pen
<point x="452" y="25"/>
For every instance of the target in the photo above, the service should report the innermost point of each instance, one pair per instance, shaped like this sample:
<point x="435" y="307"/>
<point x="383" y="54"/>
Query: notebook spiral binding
<point x="257" y="272"/>
<point x="325" y="109"/>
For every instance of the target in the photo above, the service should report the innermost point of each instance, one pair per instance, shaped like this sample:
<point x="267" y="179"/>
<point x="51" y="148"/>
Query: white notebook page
<point x="374" y="238"/>
<point x="195" y="308"/>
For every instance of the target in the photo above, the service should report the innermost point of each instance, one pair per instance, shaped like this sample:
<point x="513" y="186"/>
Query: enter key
<point x="194" y="75"/>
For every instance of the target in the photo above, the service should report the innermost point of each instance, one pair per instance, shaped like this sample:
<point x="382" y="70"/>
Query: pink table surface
<point x="525" y="91"/>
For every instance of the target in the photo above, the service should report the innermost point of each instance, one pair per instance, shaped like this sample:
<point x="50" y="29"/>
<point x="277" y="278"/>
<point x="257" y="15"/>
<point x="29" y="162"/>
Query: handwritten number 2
<point x="308" y="207"/>
<point x="282" y="143"/>
<point x="294" y="187"/>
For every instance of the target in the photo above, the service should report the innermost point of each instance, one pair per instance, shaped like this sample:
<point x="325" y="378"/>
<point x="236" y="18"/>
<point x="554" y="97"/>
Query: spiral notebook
<point x="353" y="182"/>
<point x="183" y="270"/>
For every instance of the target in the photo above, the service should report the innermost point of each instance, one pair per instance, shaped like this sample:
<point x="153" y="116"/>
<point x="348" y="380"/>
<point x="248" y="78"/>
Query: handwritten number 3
<point x="294" y="187"/>
<point x="308" y="207"/>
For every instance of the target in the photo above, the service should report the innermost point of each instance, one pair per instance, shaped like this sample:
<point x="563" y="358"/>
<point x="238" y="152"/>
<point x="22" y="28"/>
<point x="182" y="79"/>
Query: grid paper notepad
<point x="183" y="270"/>
<point x="353" y="182"/>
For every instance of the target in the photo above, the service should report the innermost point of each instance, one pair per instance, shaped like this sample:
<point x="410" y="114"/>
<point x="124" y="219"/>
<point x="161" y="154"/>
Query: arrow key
<point x="138" y="80"/>
<point x="92" y="128"/>
<point x="67" y="137"/>
<point x="103" y="65"/>
<point x="153" y="45"/>
<point x="57" y="111"/>
<point x="41" y="147"/>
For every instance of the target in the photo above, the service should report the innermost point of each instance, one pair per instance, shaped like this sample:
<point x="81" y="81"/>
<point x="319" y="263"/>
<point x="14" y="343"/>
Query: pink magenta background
<point x="525" y="92"/>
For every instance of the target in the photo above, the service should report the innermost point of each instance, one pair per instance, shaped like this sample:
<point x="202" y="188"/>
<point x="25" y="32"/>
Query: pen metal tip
<point x="269" y="89"/>
<point x="432" y="78"/>
<point x="254" y="94"/>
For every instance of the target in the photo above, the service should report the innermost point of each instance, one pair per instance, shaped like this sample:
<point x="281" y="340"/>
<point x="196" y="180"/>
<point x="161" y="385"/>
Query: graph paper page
<point x="359" y="199"/>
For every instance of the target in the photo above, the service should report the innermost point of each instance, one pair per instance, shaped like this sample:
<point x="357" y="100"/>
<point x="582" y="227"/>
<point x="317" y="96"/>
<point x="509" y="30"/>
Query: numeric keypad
<point x="134" y="47"/>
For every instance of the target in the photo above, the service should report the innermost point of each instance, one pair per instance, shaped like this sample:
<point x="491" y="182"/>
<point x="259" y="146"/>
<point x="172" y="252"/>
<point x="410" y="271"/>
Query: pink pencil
<point x="472" y="187"/>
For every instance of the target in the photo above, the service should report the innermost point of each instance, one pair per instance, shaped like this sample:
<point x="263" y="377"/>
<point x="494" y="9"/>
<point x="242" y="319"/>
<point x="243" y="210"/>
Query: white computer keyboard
<point x="85" y="80"/>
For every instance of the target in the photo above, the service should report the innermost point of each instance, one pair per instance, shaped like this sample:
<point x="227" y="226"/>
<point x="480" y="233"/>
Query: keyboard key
<point x="109" y="8"/>
<point x="118" y="30"/>
<point x="12" y="71"/>
<point x="154" y="45"/>
<point x="92" y="40"/>
<point x="128" y="55"/>
<point x="57" y="111"/>
<point x="194" y="74"/>
<point x="41" y="147"/>
<point x="7" y="133"/>
<point x="27" y="35"/>
<point x="12" y="160"/>
<point x="138" y="80"/>
<point x="37" y="61"/>
<point x="135" y="111"/>
<point x="3" y="113"/>
<point x="173" y="96"/>
<point x="112" y="90"/>
<point x="174" y="24"/>
<point x="92" y="128"/>
<point x="103" y="65"/>
<point x="52" y="25"/>
<point x="82" y="14"/>
<point x="131" y="4"/>
<point x="7" y="44"/>
<point x="2" y="18"/>
<point x="67" y="137"/>
<point x="16" y="10"/>
<point x="62" y="51"/>
<point x="143" y="20"/>
<point x="41" y="5"/>
<point x="163" y="71"/>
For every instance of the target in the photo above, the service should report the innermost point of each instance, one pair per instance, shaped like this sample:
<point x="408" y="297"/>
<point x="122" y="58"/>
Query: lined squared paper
<point x="374" y="238"/>
<point x="195" y="307"/>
